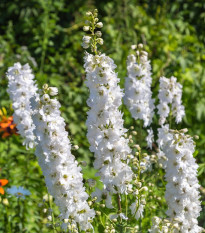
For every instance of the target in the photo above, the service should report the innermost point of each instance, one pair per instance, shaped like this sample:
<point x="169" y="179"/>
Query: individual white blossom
<point x="137" y="209"/>
<point x="182" y="193"/>
<point x="62" y="174"/>
<point x="150" y="138"/>
<point x="105" y="124"/>
<point x="138" y="94"/>
<point x="21" y="89"/>
<point x="170" y="95"/>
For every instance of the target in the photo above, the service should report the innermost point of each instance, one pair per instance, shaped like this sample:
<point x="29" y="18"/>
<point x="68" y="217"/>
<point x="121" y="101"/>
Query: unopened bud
<point x="86" y="28"/>
<point x="99" y="25"/>
<point x="88" y="13"/>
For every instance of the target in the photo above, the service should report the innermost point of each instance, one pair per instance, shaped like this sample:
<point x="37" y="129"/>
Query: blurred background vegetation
<point x="47" y="34"/>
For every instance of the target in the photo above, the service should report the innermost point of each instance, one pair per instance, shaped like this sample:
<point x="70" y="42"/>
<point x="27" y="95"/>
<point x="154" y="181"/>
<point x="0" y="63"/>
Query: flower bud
<point x="86" y="28"/>
<point x="133" y="47"/>
<point x="99" y="25"/>
<point x="53" y="91"/>
<point x="100" y="41"/>
<point x="75" y="147"/>
<point x="88" y="13"/>
<point x="5" y="201"/>
<point x="98" y="33"/>
<point x="45" y="86"/>
<point x="91" y="182"/>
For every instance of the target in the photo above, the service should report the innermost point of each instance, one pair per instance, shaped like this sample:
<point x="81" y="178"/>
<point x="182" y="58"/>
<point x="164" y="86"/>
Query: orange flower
<point x="7" y="126"/>
<point x="3" y="182"/>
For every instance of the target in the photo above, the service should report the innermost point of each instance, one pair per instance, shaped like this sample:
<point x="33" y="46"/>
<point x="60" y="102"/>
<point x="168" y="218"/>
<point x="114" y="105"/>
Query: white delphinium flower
<point x="150" y="138"/>
<point x="182" y="193"/>
<point x="170" y="93"/>
<point x="138" y="94"/>
<point x="19" y="192"/>
<point x="22" y="88"/>
<point x="62" y="173"/>
<point x="162" y="226"/>
<point x="105" y="124"/>
<point x="137" y="209"/>
<point x="164" y="136"/>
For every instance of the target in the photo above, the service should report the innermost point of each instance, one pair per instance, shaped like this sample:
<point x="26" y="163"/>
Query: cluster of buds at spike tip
<point x="92" y="27"/>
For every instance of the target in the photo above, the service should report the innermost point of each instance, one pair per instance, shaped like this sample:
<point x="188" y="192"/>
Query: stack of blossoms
<point x="182" y="193"/>
<point x="170" y="93"/>
<point x="170" y="105"/>
<point x="138" y="95"/>
<point x="105" y="123"/>
<point x="61" y="170"/>
<point x="40" y="124"/>
<point x="21" y="89"/>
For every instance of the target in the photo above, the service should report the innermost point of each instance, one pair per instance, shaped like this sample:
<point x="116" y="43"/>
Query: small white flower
<point x="150" y="138"/>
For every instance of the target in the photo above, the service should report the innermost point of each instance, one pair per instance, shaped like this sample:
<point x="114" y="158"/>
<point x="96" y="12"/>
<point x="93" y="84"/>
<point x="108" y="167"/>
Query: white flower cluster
<point x="138" y="95"/>
<point x="182" y="193"/>
<point x="162" y="226"/>
<point x="105" y="124"/>
<point x="170" y="93"/>
<point x="61" y="170"/>
<point x="137" y="208"/>
<point x="21" y="88"/>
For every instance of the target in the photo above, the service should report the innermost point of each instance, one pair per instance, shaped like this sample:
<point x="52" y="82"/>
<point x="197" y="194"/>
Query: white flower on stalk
<point x="170" y="93"/>
<point x="105" y="124"/>
<point x="150" y="138"/>
<point x="62" y="174"/>
<point x="182" y="193"/>
<point x="19" y="192"/>
<point x="86" y="42"/>
<point x="21" y="89"/>
<point x="137" y="209"/>
<point x="138" y="94"/>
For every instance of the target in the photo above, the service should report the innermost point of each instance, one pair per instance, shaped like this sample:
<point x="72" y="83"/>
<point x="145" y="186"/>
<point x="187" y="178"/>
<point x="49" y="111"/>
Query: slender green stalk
<point x="52" y="214"/>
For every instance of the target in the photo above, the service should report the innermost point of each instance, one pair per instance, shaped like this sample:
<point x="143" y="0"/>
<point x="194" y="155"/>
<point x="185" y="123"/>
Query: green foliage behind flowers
<point x="48" y="35"/>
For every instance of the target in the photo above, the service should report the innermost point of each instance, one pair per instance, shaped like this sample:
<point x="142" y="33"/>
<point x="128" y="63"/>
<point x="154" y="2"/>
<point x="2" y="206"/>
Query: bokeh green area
<point x="47" y="34"/>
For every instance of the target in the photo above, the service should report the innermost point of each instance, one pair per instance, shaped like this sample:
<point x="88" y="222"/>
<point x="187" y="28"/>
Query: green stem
<point x="45" y="41"/>
<point x="126" y="205"/>
<point x="8" y="224"/>
<point x="170" y="119"/>
<point x="52" y="214"/>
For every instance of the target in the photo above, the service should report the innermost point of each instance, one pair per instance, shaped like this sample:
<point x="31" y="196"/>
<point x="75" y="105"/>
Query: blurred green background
<point x="47" y="34"/>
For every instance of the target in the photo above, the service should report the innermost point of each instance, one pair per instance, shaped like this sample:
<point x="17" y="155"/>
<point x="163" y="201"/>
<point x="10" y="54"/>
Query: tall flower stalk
<point x="21" y="89"/>
<point x="62" y="174"/>
<point x="170" y="100"/>
<point x="182" y="193"/>
<point x="104" y="122"/>
<point x="138" y="94"/>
